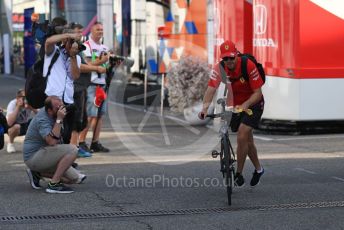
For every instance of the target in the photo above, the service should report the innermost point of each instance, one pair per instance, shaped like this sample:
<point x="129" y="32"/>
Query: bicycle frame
<point x="227" y="157"/>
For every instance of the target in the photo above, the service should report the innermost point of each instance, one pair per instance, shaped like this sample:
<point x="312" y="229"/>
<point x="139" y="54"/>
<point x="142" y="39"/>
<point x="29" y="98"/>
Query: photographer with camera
<point x="19" y="115"/>
<point x="65" y="70"/>
<point x="96" y="55"/>
<point x="44" y="152"/>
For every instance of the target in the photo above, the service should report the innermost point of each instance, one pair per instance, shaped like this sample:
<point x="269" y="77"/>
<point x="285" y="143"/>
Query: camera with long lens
<point x="81" y="47"/>
<point x="114" y="59"/>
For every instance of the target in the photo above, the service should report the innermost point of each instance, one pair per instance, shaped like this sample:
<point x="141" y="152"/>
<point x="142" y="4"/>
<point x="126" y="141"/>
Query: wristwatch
<point x="58" y="121"/>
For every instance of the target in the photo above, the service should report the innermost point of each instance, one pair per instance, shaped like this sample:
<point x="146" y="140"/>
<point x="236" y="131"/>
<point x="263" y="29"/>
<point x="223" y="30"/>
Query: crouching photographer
<point x="62" y="50"/>
<point x="43" y="151"/>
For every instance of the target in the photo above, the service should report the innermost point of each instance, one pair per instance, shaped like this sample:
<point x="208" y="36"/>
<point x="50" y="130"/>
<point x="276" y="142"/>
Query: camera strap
<point x="53" y="60"/>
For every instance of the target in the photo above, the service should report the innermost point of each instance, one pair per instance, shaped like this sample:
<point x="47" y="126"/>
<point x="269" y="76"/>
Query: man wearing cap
<point x="246" y="95"/>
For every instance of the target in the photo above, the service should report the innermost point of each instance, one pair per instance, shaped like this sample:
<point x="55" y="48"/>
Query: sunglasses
<point x="228" y="58"/>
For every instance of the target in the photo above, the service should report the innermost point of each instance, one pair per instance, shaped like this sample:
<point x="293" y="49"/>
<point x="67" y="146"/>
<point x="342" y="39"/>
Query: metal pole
<point x="162" y="94"/>
<point x="145" y="90"/>
<point x="49" y="14"/>
<point x="7" y="54"/>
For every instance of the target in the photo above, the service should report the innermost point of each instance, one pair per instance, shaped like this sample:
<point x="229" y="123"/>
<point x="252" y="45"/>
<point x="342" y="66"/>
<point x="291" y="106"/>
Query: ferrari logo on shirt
<point x="242" y="80"/>
<point x="226" y="47"/>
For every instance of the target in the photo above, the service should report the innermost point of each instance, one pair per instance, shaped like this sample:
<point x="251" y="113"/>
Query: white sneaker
<point x="10" y="148"/>
<point x="81" y="178"/>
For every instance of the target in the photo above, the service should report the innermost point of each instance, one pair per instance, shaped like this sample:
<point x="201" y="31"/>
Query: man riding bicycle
<point x="247" y="94"/>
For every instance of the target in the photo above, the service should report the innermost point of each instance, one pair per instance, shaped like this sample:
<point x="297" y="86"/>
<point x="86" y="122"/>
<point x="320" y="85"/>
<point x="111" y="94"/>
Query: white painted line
<point x="305" y="170"/>
<point x="164" y="131"/>
<point x="138" y="97"/>
<point x="263" y="138"/>
<point x="313" y="137"/>
<point x="125" y="106"/>
<point x="15" y="77"/>
<point x="338" y="178"/>
<point x="97" y="161"/>
<point x="145" y="119"/>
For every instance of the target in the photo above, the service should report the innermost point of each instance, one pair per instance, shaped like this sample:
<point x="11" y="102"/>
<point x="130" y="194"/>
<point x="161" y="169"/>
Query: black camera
<point x="114" y="59"/>
<point x="81" y="47"/>
<point x="70" y="108"/>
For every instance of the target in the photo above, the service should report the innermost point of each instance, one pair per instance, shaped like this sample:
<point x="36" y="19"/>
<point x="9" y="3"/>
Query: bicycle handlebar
<point x="222" y="102"/>
<point x="248" y="111"/>
<point x="233" y="110"/>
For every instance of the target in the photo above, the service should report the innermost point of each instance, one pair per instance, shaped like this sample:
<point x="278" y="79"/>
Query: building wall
<point x="187" y="24"/>
<point x="41" y="6"/>
<point x="80" y="11"/>
<point x="146" y="17"/>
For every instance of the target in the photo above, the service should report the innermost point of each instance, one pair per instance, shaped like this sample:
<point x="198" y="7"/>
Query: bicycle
<point x="227" y="156"/>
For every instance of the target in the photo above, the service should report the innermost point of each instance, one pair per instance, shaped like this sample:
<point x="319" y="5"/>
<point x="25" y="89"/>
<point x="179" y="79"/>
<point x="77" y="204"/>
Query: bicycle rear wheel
<point x="228" y="170"/>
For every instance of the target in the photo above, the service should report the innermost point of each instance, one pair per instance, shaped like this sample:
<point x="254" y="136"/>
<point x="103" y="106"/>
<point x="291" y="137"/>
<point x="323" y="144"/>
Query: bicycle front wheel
<point x="229" y="173"/>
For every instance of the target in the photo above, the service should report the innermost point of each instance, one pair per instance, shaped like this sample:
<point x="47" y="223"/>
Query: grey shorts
<point x="47" y="158"/>
<point x="92" y="110"/>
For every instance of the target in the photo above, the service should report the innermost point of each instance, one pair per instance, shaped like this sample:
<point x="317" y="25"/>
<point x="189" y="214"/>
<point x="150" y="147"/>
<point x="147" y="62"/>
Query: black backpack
<point x="258" y="65"/>
<point x="36" y="83"/>
<point x="244" y="58"/>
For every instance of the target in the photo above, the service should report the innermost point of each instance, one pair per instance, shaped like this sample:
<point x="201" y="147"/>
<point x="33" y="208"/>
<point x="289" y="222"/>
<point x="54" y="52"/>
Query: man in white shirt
<point x="65" y="70"/>
<point x="97" y="55"/>
<point x="18" y="116"/>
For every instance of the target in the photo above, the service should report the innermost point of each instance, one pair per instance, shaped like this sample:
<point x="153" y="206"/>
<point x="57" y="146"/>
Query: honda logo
<point x="260" y="19"/>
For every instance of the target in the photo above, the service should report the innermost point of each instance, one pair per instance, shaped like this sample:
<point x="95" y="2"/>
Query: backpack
<point x="258" y="65"/>
<point x="244" y="58"/>
<point x="36" y="83"/>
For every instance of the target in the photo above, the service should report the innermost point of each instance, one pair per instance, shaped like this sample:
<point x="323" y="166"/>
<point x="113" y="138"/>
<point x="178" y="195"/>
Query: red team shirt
<point x="242" y="90"/>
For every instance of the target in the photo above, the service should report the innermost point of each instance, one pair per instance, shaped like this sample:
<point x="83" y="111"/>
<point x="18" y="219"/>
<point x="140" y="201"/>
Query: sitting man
<point x="19" y="115"/>
<point x="43" y="152"/>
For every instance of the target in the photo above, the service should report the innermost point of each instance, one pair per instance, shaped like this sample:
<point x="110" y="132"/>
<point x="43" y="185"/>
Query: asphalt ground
<point x="159" y="175"/>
